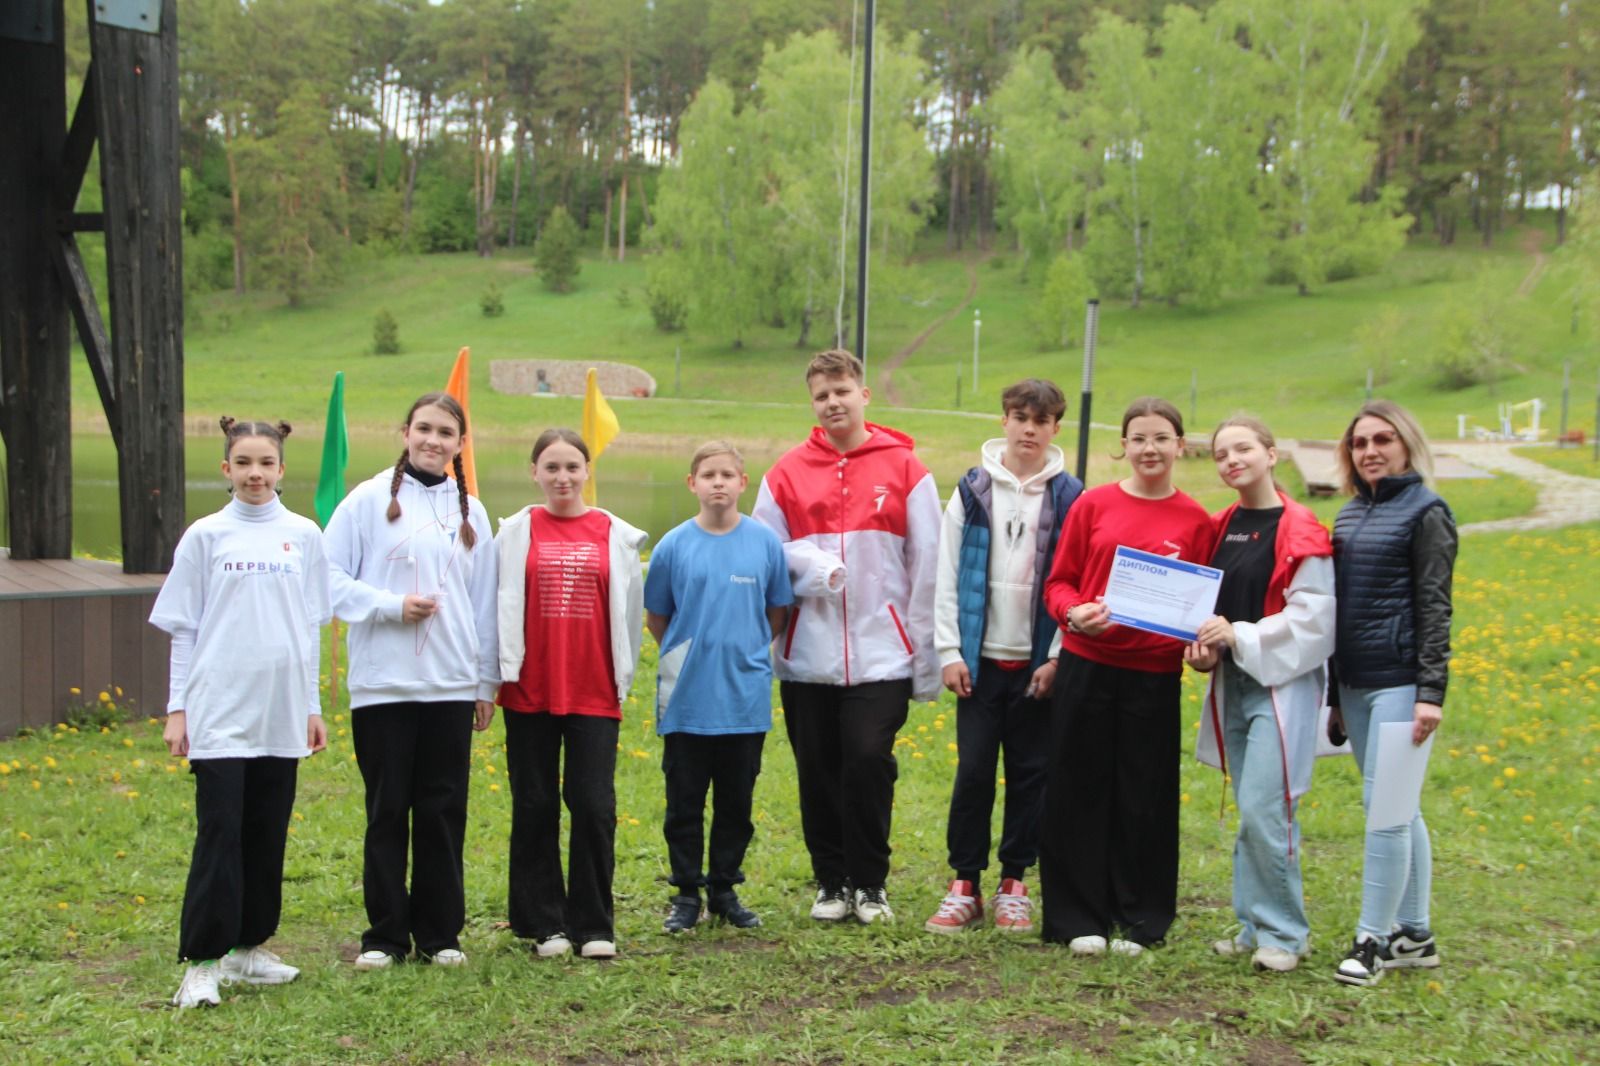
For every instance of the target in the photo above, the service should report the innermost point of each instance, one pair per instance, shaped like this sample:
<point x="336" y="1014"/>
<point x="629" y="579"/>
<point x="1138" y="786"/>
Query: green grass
<point x="1580" y="461"/>
<point x="1292" y="359"/>
<point x="95" y="855"/>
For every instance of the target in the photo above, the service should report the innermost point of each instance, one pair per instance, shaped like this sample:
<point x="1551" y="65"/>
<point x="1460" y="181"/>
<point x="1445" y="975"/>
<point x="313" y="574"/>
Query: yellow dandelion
<point x="1527" y="819"/>
<point x="22" y="834"/>
<point x="493" y="787"/>
<point x="950" y="747"/>
<point x="1510" y="771"/>
<point x="1435" y="987"/>
<point x="633" y="821"/>
<point x="299" y="817"/>
<point x="1184" y="798"/>
<point x="122" y="855"/>
<point x="916" y="755"/>
<point x="5" y="768"/>
<point x="61" y="905"/>
<point x="36" y="783"/>
<point x="127" y="742"/>
<point x="139" y="900"/>
<point x="105" y="697"/>
<point x="131" y="794"/>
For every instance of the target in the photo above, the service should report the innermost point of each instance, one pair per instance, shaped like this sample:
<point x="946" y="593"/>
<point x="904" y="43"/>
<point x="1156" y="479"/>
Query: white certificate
<point x="1397" y="780"/>
<point x="1161" y="595"/>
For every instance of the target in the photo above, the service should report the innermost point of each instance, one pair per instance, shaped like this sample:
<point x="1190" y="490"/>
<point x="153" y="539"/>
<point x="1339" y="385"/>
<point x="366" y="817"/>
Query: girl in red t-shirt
<point x="571" y="624"/>
<point x="1108" y="860"/>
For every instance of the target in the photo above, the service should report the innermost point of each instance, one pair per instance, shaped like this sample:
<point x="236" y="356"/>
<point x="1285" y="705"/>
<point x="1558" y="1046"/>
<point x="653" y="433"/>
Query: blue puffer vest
<point x="972" y="567"/>
<point x="1376" y="643"/>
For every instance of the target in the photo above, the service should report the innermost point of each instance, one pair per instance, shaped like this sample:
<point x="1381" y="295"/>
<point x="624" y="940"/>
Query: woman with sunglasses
<point x="1394" y="548"/>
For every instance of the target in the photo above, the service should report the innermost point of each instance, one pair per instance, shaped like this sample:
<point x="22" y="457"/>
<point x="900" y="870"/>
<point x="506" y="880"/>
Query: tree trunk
<point x="233" y="199"/>
<point x="952" y="231"/>
<point x="516" y="182"/>
<point x="383" y="125"/>
<point x="644" y="202"/>
<point x="605" y="227"/>
<point x="411" y="174"/>
<point x="627" y="152"/>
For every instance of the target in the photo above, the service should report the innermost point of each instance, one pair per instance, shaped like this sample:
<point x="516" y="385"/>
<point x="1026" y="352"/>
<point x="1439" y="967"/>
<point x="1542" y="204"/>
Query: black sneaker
<point x="726" y="905"/>
<point x="1409" y="949"/>
<point x="1362" y="966"/>
<point x="685" y="914"/>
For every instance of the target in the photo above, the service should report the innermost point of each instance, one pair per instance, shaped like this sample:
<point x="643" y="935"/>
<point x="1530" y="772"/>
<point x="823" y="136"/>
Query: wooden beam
<point x="35" y="335"/>
<point x="136" y="111"/>
<point x="79" y="146"/>
<point x="91" y="328"/>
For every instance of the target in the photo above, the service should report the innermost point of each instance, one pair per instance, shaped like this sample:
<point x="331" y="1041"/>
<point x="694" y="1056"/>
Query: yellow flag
<point x="599" y="428"/>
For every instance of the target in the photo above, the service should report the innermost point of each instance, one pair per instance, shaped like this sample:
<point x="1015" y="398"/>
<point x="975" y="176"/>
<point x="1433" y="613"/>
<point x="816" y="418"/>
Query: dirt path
<point x="894" y="362"/>
<point x="1533" y="244"/>
<point x="1564" y="499"/>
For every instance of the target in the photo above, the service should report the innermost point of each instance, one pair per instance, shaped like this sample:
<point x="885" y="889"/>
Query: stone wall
<point x="517" y="377"/>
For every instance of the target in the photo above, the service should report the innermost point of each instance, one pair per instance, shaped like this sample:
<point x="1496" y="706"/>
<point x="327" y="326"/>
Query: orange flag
<point x="457" y="387"/>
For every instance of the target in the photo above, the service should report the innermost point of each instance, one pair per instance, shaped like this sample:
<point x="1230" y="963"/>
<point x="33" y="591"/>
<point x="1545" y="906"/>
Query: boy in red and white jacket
<point x="858" y="515"/>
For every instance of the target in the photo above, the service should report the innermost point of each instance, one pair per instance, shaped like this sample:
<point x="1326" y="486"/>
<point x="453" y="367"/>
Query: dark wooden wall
<point x="35" y="332"/>
<point x="68" y="624"/>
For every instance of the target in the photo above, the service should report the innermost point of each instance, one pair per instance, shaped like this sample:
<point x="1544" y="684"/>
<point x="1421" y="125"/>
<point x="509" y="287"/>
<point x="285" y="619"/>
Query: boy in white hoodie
<point x="997" y="648"/>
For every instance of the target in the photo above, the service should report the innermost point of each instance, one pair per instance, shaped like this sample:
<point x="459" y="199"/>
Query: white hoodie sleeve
<point x="346" y="538"/>
<point x="1297" y="639"/>
<point x="812" y="571"/>
<point x="922" y="563"/>
<point x="946" y="618"/>
<point x="483" y="588"/>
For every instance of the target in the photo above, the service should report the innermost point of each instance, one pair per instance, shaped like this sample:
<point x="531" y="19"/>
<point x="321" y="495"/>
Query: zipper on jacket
<point x="844" y="594"/>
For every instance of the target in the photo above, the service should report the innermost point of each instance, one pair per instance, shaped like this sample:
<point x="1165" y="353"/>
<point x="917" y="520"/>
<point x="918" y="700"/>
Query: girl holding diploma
<point x="1108" y="859"/>
<point x="1266" y="649"/>
<point x="1394" y="548"/>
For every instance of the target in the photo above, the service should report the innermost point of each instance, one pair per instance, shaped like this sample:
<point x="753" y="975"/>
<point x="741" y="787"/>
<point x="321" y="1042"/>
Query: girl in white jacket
<point x="245" y="603"/>
<point x="414" y="574"/>
<point x="1266" y="649"/>
<point x="571" y="626"/>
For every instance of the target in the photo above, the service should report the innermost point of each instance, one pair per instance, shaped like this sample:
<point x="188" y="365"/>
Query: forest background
<point x="1130" y="149"/>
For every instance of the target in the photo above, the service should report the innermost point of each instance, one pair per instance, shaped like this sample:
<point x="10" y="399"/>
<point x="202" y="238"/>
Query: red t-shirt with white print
<point x="567" y="668"/>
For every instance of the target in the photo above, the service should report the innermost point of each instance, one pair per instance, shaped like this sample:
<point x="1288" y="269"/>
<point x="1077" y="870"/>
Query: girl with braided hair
<point x="244" y="603"/>
<point x="413" y="572"/>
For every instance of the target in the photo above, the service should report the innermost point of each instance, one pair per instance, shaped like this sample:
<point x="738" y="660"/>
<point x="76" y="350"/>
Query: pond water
<point x="644" y="487"/>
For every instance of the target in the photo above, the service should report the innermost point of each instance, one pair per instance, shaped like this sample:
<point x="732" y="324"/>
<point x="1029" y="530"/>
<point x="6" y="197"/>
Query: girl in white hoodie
<point x="413" y="573"/>
<point x="572" y="589"/>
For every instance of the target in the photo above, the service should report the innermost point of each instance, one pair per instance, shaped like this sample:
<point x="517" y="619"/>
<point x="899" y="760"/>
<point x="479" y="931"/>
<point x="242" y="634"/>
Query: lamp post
<point x="977" y="324"/>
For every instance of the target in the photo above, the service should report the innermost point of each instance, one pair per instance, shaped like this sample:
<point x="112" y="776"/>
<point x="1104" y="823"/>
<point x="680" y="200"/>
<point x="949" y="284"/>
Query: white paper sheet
<point x="1397" y="783"/>
<point x="1160" y="595"/>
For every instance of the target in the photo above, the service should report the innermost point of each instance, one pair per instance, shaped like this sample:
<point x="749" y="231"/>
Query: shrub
<point x="556" y="254"/>
<point x="385" y="334"/>
<point x="1058" y="311"/>
<point x="493" y="304"/>
<point x="669" y="306"/>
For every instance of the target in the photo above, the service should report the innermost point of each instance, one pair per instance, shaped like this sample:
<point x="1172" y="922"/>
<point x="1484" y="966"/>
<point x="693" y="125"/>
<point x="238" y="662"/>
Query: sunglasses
<point x="1377" y="440"/>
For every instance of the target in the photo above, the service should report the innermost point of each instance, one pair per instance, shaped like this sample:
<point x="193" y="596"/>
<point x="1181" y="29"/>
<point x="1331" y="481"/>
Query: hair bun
<point x="284" y="429"/>
<point x="227" y="423"/>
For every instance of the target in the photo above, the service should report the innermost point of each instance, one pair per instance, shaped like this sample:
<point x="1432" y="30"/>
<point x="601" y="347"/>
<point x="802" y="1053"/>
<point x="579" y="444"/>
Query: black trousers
<point x="728" y="765"/>
<point x="414" y="758"/>
<point x="235" y="889"/>
<point x="843" y="740"/>
<point x="539" y="904"/>
<point x="1109" y="844"/>
<point x="998" y="716"/>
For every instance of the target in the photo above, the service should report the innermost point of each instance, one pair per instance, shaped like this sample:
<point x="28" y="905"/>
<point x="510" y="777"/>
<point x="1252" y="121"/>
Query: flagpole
<point x="866" y="191"/>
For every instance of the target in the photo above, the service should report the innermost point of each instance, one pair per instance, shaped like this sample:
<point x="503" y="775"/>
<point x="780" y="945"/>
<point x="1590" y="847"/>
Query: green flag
<point x="335" y="454"/>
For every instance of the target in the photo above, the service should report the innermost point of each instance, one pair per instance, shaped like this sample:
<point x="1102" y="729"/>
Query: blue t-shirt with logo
<point x="715" y="672"/>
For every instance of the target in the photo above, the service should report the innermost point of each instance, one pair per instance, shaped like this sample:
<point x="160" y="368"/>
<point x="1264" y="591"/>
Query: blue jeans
<point x="1398" y="872"/>
<point x="1267" y="896"/>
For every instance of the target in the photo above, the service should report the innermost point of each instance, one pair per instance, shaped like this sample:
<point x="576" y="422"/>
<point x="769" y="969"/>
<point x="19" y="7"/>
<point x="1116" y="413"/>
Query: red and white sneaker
<point x="1013" y="910"/>
<point x="961" y="908"/>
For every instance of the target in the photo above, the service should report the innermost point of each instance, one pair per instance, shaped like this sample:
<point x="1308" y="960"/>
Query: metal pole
<point x="1091" y="330"/>
<point x="1194" y="397"/>
<point x="977" y="323"/>
<point x="1369" y="384"/>
<point x="1597" y="423"/>
<point x="1566" y="388"/>
<point x="677" y="371"/>
<point x="958" y="386"/>
<point x="866" y="190"/>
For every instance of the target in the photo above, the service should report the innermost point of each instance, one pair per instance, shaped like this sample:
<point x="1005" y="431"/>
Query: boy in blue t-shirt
<point x="716" y="595"/>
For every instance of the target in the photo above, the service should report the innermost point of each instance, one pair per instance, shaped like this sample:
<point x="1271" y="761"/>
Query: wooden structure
<point x="76" y="623"/>
<point x="68" y="624"/>
<point x="129" y="110"/>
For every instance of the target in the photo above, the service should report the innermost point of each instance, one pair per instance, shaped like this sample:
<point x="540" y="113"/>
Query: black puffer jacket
<point x="1394" y="549"/>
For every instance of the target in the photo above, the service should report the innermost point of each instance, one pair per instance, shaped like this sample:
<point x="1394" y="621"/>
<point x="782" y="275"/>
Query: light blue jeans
<point x="1398" y="872"/>
<point x="1267" y="896"/>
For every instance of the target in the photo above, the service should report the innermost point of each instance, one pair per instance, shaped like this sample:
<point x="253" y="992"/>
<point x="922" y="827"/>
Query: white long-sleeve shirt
<point x="375" y="564"/>
<point x="245" y="603"/>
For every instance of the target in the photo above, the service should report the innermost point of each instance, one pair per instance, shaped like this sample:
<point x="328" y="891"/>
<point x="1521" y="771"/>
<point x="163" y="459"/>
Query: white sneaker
<point x="1231" y="946"/>
<point x="1275" y="959"/>
<point x="598" y="949"/>
<point x="374" y="960"/>
<point x="832" y="904"/>
<point x="1127" y="947"/>
<point x="448" y="957"/>
<point x="255" y="966"/>
<point x="552" y="946"/>
<point x="199" y="987"/>
<point x="872" y="905"/>
<point x="1087" y="945"/>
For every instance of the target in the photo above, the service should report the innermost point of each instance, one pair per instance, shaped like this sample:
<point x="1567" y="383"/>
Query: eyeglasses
<point x="1377" y="440"/>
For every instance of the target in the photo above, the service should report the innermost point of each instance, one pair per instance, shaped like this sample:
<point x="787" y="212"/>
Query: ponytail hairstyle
<point x="1151" y="405"/>
<point x="234" y="430"/>
<point x="448" y="404"/>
